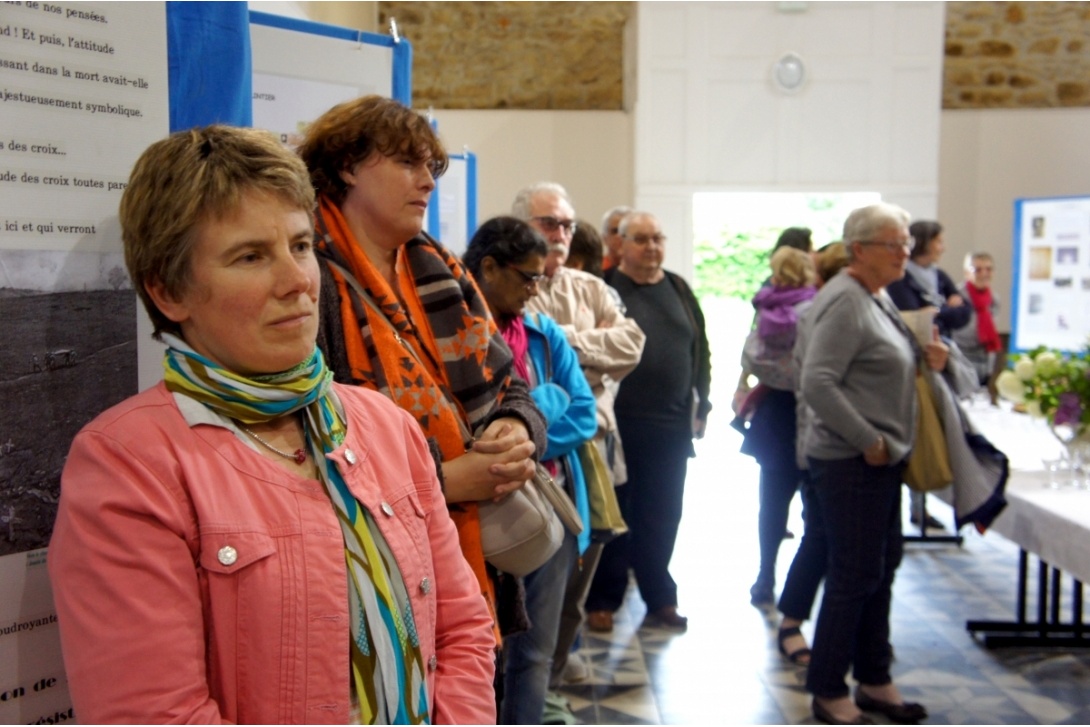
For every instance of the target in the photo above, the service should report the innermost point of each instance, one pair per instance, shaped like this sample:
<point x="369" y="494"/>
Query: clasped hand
<point x="499" y="462"/>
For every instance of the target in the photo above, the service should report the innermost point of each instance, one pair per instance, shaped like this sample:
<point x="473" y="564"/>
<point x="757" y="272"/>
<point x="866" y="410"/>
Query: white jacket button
<point x="388" y="509"/>
<point x="350" y="456"/>
<point x="433" y="662"/>
<point x="227" y="555"/>
<point x="425" y="586"/>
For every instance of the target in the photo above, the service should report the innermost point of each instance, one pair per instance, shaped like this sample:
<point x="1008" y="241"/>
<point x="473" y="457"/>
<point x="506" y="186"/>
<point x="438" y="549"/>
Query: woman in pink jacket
<point x="247" y="541"/>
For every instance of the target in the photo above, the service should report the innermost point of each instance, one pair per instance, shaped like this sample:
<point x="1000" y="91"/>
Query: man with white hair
<point x="609" y="345"/>
<point x="611" y="236"/>
<point x="658" y="415"/>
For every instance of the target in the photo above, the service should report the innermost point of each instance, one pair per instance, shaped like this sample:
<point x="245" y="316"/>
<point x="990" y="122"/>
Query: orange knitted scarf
<point x="461" y="367"/>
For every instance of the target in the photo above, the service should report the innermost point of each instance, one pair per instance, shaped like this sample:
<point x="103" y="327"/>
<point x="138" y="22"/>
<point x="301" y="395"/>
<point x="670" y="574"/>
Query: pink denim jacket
<point x="198" y="581"/>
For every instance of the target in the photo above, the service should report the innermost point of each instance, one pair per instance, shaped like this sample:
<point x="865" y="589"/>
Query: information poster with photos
<point x="1051" y="273"/>
<point x="84" y="92"/>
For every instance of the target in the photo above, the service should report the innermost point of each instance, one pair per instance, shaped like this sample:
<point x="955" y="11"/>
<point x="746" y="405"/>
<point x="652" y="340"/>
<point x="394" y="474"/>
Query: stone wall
<point x="568" y="55"/>
<point x="1017" y="55"/>
<point x="514" y="55"/>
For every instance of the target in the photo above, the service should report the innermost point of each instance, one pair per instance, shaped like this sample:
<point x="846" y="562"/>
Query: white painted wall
<point x="978" y="162"/>
<point x="709" y="118"/>
<point x="589" y="152"/>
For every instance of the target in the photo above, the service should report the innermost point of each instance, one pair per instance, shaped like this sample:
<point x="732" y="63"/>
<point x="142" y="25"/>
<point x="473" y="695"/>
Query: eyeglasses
<point x="613" y="230"/>
<point x="552" y="224"/>
<point x="905" y="245"/>
<point x="529" y="279"/>
<point x="658" y="238"/>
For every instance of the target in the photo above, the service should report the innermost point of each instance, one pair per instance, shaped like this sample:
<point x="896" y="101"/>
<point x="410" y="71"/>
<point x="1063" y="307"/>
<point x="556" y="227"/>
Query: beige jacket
<point x="609" y="345"/>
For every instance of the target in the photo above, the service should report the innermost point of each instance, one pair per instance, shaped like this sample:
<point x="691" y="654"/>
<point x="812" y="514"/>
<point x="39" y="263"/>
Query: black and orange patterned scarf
<point x="460" y="355"/>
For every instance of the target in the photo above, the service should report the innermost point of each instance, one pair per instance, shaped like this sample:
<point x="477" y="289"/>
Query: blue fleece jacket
<point x="564" y="397"/>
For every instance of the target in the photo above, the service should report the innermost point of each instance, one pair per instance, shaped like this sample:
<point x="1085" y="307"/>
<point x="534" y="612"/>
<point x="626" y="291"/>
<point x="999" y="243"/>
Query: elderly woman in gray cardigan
<point x="857" y="376"/>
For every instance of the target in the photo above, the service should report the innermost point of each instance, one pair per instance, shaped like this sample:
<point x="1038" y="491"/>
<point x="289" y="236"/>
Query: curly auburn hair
<point x="352" y="131"/>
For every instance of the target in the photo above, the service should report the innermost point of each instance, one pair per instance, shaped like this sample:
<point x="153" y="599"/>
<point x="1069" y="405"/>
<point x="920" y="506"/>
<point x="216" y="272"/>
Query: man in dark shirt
<point x="660" y="407"/>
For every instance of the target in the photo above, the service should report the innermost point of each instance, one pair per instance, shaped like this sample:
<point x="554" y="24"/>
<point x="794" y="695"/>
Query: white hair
<point x="520" y="208"/>
<point x="864" y="223"/>
<point x="618" y="211"/>
<point x="628" y="219"/>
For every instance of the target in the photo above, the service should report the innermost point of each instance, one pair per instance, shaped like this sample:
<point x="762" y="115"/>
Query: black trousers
<point x="861" y="508"/>
<point x="657" y="456"/>
<point x="808" y="568"/>
<point x="777" y="489"/>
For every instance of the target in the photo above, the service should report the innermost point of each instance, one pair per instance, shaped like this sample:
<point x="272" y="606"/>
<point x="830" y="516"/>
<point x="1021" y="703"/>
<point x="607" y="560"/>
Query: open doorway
<point x="733" y="234"/>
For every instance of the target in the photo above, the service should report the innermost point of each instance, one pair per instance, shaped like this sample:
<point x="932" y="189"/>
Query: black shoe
<point x="667" y="618"/>
<point x="904" y="713"/>
<point x="761" y="594"/>
<point x="823" y="715"/>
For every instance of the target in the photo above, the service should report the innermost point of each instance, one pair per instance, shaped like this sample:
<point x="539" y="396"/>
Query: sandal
<point x="798" y="657"/>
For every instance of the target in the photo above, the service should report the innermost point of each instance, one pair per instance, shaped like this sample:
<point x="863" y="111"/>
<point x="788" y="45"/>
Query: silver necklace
<point x="299" y="456"/>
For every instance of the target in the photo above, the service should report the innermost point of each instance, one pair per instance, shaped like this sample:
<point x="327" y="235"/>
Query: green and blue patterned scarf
<point x="387" y="667"/>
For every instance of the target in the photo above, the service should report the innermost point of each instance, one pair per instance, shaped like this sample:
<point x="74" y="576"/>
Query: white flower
<point x="1025" y="369"/>
<point x="1048" y="363"/>
<point x="1010" y="386"/>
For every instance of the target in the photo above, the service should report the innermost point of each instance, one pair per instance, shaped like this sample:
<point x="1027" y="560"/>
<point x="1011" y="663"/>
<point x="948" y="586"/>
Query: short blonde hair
<point x="187" y="178"/>
<point x="351" y="132"/>
<point x="792" y="268"/>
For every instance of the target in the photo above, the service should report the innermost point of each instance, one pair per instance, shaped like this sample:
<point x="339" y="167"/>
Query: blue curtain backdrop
<point x="208" y="57"/>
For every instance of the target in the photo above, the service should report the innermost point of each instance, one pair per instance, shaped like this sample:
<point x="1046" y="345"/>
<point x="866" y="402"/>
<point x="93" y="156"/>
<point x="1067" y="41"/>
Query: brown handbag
<point x="929" y="462"/>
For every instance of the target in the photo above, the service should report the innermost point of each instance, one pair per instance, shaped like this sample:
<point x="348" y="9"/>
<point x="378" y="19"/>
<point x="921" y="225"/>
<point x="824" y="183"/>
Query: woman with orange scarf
<point x="400" y="314"/>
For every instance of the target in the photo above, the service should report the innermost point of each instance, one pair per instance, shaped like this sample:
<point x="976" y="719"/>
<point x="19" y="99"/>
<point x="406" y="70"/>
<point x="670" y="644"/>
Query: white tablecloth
<point x="1053" y="524"/>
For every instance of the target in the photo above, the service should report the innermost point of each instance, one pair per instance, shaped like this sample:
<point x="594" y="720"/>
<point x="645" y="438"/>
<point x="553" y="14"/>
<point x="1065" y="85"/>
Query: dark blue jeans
<point x="778" y="485"/>
<point x="528" y="656"/>
<point x="808" y="567"/>
<point x="861" y="508"/>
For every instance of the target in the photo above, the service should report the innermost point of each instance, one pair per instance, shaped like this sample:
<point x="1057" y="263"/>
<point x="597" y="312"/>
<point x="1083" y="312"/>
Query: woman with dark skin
<point x="507" y="257"/>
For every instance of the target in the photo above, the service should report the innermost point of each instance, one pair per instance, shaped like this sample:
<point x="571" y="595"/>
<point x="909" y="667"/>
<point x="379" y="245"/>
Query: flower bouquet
<point x="1052" y="385"/>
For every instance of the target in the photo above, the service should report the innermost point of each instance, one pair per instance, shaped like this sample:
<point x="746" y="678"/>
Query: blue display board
<point x="452" y="213"/>
<point x="1051" y="296"/>
<point x="217" y="51"/>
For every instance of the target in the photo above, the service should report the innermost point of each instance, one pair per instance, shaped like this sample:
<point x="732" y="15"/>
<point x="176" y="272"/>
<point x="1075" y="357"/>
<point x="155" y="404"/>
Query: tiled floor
<point x="726" y="670"/>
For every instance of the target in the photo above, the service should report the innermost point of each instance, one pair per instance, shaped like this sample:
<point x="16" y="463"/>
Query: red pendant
<point x="300" y="456"/>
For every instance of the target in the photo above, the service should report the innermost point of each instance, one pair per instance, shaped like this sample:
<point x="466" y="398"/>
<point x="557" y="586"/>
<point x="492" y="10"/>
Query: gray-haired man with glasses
<point x="609" y="345"/>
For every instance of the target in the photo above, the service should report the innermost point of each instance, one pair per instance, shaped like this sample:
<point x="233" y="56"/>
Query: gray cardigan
<point x="856" y="373"/>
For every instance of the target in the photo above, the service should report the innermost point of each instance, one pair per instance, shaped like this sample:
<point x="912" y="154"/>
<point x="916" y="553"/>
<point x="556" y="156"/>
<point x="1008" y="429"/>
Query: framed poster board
<point x="301" y="68"/>
<point x="1051" y="297"/>
<point x="452" y="212"/>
